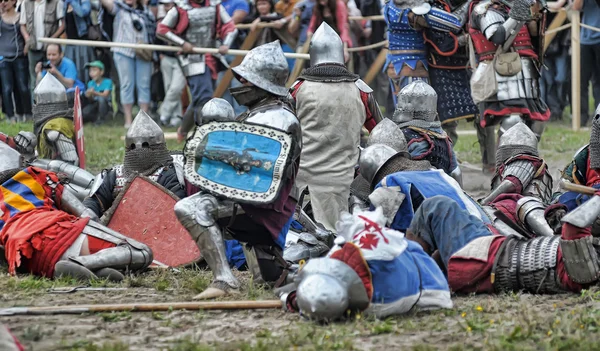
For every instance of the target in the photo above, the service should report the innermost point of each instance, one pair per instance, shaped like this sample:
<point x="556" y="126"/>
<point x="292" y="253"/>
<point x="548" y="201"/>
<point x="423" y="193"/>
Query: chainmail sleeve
<point x="103" y="198"/>
<point x="169" y="180"/>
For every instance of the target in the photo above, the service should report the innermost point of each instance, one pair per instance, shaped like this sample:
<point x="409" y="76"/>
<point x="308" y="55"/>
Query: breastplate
<point x="201" y="29"/>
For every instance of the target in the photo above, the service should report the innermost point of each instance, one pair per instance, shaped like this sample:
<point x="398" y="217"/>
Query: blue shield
<point x="242" y="162"/>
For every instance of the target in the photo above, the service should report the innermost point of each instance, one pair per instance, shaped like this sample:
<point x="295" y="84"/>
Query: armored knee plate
<point x="508" y="122"/>
<point x="581" y="260"/>
<point x="530" y="212"/>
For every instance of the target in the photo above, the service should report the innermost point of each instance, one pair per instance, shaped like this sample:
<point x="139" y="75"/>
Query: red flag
<point x="78" y="121"/>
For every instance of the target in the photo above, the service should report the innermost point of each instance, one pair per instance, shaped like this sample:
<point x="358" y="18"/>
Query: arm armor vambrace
<point x="520" y="169"/>
<point x="581" y="260"/>
<point x="442" y="21"/>
<point x="64" y="147"/>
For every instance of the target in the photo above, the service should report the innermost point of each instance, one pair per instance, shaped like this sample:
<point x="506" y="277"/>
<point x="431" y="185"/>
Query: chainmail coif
<point x="328" y="73"/>
<point x="399" y="163"/>
<point x="506" y="152"/>
<point x="146" y="160"/>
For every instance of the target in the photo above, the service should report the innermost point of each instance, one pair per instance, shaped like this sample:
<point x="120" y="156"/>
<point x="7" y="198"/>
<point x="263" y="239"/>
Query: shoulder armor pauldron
<point x="362" y="86"/>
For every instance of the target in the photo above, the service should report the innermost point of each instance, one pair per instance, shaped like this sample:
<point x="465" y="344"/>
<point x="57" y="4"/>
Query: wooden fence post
<point x="299" y="63"/>
<point x="376" y="67"/>
<point x="576" y="71"/>
<point x="558" y="21"/>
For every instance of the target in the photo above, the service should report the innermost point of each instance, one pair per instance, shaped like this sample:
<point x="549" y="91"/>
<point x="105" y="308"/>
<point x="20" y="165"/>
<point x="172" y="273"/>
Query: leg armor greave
<point x="530" y="212"/>
<point x="198" y="214"/>
<point x="123" y="258"/>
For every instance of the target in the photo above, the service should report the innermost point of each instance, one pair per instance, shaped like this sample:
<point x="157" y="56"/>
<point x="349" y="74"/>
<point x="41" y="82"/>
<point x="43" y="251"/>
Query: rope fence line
<point x="561" y="28"/>
<point x="589" y="27"/>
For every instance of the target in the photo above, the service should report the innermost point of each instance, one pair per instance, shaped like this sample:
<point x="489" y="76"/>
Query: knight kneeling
<point x="46" y="231"/>
<point x="245" y="170"/>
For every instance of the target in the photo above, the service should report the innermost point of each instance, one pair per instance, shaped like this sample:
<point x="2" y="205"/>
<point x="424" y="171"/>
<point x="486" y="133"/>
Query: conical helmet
<point x="388" y="133"/>
<point x="217" y="109"/>
<point x="519" y="134"/>
<point x="417" y="106"/>
<point x="143" y="132"/>
<point x="265" y="66"/>
<point x="326" y="47"/>
<point x="595" y="141"/>
<point x="50" y="97"/>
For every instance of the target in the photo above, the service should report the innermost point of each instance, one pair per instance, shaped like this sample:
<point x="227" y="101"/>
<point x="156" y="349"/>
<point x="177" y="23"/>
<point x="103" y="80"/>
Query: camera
<point x="137" y="24"/>
<point x="46" y="65"/>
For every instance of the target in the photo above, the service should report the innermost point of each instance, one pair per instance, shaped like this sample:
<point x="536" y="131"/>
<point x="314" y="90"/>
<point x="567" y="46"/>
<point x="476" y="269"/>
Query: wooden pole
<point x="142" y="307"/>
<point x="228" y="76"/>
<point x="561" y="17"/>
<point x="581" y="189"/>
<point x="376" y="67"/>
<point x="576" y="71"/>
<point x="299" y="63"/>
<point x="109" y="44"/>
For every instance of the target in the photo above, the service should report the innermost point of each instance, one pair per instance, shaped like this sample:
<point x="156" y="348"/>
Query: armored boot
<point x="197" y="214"/>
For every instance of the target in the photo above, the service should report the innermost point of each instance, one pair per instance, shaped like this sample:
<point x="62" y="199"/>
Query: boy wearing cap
<point x="98" y="94"/>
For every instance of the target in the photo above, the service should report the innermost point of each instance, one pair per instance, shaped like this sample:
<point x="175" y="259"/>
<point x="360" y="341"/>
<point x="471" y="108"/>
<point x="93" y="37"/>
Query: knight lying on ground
<point x="254" y="207"/>
<point x="146" y="154"/>
<point x="372" y="269"/>
<point x="519" y="168"/>
<point x="478" y="259"/>
<point x="416" y="114"/>
<point x="46" y="231"/>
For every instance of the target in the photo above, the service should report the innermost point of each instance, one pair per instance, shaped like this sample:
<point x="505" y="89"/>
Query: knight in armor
<point x="332" y="105"/>
<point x="497" y="28"/>
<point x="479" y="260"/>
<point x="372" y="269"/>
<point x="261" y="227"/>
<point x="448" y="60"/>
<point x="417" y="116"/>
<point x="53" y="131"/>
<point x="519" y="168"/>
<point x="407" y="56"/>
<point x="146" y="154"/>
<point x="198" y="23"/>
<point x="48" y="232"/>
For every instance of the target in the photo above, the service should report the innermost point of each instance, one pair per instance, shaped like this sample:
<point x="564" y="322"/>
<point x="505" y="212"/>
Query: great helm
<point x="50" y="97"/>
<point x="265" y="66"/>
<point x="519" y="134"/>
<point x="217" y="109"/>
<point x="416" y="106"/>
<point x="9" y="158"/>
<point x="326" y="47"/>
<point x="388" y="133"/>
<point x="143" y="132"/>
<point x="327" y="288"/>
<point x="595" y="141"/>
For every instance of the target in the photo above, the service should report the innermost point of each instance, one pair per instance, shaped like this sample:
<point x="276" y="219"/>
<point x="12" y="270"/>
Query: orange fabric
<point x="41" y="236"/>
<point x="96" y="244"/>
<point x="350" y="254"/>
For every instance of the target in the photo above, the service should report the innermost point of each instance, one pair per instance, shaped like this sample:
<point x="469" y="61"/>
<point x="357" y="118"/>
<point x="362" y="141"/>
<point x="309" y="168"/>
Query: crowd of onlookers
<point x="146" y="78"/>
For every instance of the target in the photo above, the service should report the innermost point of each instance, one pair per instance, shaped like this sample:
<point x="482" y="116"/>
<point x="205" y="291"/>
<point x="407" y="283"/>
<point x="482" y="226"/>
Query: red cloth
<point x="507" y="204"/>
<point x="95" y="244"/>
<point x="221" y="30"/>
<point x="341" y="17"/>
<point x="370" y="122"/>
<point x="41" y="236"/>
<point x="591" y="175"/>
<point x="351" y="255"/>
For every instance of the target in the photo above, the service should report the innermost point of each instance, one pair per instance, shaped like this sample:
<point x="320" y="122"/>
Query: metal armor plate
<point x="242" y="162"/>
<point x="144" y="212"/>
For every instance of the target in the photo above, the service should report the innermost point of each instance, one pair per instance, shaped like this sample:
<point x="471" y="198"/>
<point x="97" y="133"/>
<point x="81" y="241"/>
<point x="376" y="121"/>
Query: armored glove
<point x="26" y="142"/>
<point x="521" y="10"/>
<point x="553" y="214"/>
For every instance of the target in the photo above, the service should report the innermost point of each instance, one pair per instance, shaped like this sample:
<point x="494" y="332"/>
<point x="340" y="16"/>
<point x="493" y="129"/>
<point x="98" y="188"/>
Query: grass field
<point x="506" y="322"/>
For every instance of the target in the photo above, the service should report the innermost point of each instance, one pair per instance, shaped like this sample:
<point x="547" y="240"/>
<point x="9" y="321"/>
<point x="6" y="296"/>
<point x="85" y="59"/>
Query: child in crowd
<point x="98" y="94"/>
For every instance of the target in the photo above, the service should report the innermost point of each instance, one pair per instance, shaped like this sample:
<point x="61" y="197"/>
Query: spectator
<point x="237" y="9"/>
<point x="99" y="89"/>
<point x="265" y="13"/>
<point x="77" y="20"/>
<point x="285" y="8"/>
<point x="134" y="24"/>
<point x="173" y="79"/>
<point x="60" y="67"/>
<point x="300" y="20"/>
<point x="14" y="73"/>
<point x="335" y="14"/>
<point x="39" y="18"/>
<point x="590" y="54"/>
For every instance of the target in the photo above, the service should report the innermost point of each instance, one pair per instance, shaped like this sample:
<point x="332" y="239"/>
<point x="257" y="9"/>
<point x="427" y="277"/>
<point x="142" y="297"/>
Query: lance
<point x="110" y="44"/>
<point x="581" y="189"/>
<point x="143" y="307"/>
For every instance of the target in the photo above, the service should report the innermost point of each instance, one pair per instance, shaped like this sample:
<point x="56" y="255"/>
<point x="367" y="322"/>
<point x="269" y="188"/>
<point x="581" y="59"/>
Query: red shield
<point x="144" y="211"/>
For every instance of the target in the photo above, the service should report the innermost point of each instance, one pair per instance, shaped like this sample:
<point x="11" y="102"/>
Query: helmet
<point x="50" y="98"/>
<point x="326" y="47"/>
<point x="372" y="158"/>
<point x="266" y="67"/>
<point x="519" y="134"/>
<point x="144" y="132"/>
<point x="595" y="141"/>
<point x="217" y="109"/>
<point x="388" y="133"/>
<point x="9" y="158"/>
<point x="328" y="287"/>
<point x="416" y="106"/>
